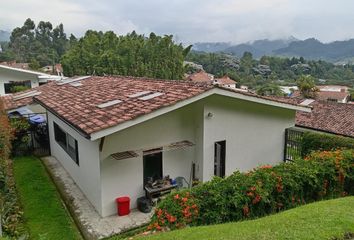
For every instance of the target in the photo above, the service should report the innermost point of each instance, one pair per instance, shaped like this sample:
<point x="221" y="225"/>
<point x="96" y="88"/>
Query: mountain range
<point x="4" y="36"/>
<point x="337" y="52"/>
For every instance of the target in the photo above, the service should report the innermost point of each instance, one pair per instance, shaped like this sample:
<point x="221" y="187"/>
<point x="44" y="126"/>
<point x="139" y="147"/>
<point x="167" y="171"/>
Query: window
<point x="67" y="142"/>
<point x="17" y="86"/>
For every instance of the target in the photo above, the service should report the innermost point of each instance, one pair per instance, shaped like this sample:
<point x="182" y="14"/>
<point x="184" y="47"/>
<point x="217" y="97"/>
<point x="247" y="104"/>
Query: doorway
<point x="219" y="158"/>
<point x="152" y="164"/>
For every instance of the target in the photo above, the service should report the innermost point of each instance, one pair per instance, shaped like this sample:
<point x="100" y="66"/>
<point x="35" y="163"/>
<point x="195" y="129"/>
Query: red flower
<point x="246" y="210"/>
<point x="184" y="199"/>
<point x="176" y="196"/>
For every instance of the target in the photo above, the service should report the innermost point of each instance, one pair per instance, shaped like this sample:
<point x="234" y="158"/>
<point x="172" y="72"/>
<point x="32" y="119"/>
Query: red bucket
<point x="123" y="205"/>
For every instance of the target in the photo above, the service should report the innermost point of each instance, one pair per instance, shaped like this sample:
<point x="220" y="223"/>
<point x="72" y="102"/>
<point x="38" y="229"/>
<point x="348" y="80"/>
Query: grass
<point x="321" y="220"/>
<point x="44" y="213"/>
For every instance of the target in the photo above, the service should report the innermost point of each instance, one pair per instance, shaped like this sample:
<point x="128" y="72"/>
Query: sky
<point x="192" y="21"/>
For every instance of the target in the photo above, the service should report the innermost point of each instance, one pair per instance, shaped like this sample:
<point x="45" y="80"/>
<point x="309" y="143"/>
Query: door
<point x="219" y="158"/>
<point x="152" y="165"/>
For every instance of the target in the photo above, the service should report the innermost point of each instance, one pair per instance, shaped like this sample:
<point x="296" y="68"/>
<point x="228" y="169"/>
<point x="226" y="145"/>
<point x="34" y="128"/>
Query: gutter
<point x="324" y="131"/>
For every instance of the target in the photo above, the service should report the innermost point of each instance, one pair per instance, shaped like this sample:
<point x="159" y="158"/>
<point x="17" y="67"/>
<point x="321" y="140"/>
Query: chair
<point x="181" y="182"/>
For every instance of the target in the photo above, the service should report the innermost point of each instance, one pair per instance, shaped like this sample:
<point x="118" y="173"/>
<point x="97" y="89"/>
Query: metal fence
<point x="35" y="140"/>
<point x="292" y="147"/>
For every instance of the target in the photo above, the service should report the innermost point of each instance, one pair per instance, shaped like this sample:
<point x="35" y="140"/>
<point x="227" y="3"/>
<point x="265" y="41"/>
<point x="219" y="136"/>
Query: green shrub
<point x="264" y="190"/>
<point x="320" y="141"/>
<point x="10" y="211"/>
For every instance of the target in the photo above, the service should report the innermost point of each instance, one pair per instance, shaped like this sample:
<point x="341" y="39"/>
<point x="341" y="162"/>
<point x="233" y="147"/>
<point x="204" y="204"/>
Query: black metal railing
<point x="292" y="146"/>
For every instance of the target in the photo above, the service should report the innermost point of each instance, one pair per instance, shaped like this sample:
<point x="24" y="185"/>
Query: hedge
<point x="312" y="141"/>
<point x="10" y="211"/>
<point x="262" y="191"/>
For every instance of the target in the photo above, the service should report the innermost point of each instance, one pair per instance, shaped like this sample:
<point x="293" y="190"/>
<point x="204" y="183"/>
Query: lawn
<point x="321" y="220"/>
<point x="44" y="213"/>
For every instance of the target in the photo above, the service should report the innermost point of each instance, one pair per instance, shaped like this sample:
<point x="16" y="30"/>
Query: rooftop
<point x="200" y="76"/>
<point x="92" y="104"/>
<point x="337" y="118"/>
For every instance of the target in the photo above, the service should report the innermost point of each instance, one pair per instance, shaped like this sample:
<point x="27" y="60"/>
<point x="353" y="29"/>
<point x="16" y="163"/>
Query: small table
<point x="150" y="192"/>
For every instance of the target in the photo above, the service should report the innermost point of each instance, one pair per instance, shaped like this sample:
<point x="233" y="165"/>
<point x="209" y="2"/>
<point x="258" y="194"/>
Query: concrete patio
<point x="91" y="224"/>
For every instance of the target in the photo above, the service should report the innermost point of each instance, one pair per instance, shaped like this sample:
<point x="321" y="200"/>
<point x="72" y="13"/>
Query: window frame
<point x="59" y="134"/>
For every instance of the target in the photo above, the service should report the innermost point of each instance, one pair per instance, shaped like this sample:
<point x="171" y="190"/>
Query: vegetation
<point x="262" y="191"/>
<point x="41" y="44"/>
<point x="331" y="219"/>
<point x="44" y="213"/>
<point x="320" y="141"/>
<point x="10" y="211"/>
<point x="133" y="55"/>
<point x="307" y="86"/>
<point x="271" y="69"/>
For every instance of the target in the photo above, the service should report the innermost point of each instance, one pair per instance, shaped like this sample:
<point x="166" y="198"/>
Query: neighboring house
<point x="200" y="76"/>
<point x="13" y="76"/>
<point x="225" y="81"/>
<point x="328" y="117"/>
<point x="112" y="133"/>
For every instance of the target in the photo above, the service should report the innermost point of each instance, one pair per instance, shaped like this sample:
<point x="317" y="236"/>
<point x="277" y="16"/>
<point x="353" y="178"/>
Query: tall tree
<point x="306" y="85"/>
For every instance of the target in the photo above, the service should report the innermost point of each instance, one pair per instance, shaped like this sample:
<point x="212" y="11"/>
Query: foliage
<point x="269" y="189"/>
<point x="307" y="86"/>
<point x="330" y="219"/>
<point x="11" y="215"/>
<point x="270" y="89"/>
<point x="312" y="141"/>
<point x="284" y="71"/>
<point x="19" y="88"/>
<point x="180" y="206"/>
<point x="40" y="45"/>
<point x="135" y="55"/>
<point x="44" y="213"/>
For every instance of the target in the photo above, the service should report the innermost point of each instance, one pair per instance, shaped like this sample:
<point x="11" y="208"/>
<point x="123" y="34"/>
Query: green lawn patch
<point x="44" y="213"/>
<point x="321" y="220"/>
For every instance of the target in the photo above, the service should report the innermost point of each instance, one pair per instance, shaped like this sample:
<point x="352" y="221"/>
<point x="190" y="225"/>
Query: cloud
<point x="192" y="20"/>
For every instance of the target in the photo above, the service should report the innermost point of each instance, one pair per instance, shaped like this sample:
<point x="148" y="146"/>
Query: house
<point x="200" y="76"/>
<point x="330" y="93"/>
<point x="17" y="75"/>
<point x="225" y="81"/>
<point x="112" y="133"/>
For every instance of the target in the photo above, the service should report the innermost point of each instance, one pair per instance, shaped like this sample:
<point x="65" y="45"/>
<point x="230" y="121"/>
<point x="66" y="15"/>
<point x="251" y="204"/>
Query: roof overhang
<point x="213" y="91"/>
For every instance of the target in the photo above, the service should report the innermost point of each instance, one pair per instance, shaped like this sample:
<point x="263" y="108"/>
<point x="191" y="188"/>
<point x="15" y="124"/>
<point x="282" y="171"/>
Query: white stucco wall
<point x="125" y="177"/>
<point x="7" y="76"/>
<point x="87" y="174"/>
<point x="254" y="133"/>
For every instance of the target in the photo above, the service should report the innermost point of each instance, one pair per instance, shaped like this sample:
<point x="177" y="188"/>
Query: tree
<point x="133" y="54"/>
<point x="270" y="89"/>
<point x="306" y="85"/>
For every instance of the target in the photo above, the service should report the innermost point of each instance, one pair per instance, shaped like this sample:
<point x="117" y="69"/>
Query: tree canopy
<point x="133" y="54"/>
<point x="42" y="44"/>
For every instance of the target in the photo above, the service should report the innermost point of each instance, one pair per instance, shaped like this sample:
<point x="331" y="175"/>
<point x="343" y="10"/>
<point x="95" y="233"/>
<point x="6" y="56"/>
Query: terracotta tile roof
<point x="335" y="118"/>
<point x="10" y="101"/>
<point x="325" y="95"/>
<point x="200" y="76"/>
<point x="225" y="80"/>
<point x="78" y="105"/>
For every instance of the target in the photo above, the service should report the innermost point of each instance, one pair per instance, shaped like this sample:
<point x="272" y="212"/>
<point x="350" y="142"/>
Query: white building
<point x="111" y="133"/>
<point x="11" y="76"/>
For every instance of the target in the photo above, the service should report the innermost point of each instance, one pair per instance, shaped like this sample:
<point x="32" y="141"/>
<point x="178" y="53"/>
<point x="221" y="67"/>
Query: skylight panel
<point x="76" y="84"/>
<point x="139" y="94"/>
<point x="70" y="80"/>
<point x="307" y="102"/>
<point x="151" y="96"/>
<point x="27" y="94"/>
<point x="108" y="104"/>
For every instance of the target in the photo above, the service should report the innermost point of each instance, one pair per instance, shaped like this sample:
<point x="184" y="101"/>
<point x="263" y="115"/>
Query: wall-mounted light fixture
<point x="210" y="115"/>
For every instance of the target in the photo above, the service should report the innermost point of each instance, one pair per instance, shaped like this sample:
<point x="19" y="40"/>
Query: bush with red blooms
<point x="176" y="211"/>
<point x="262" y="191"/>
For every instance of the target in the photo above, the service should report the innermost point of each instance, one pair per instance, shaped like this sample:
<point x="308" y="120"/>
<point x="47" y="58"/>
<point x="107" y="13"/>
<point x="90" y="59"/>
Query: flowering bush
<point x="176" y="211"/>
<point x="262" y="191"/>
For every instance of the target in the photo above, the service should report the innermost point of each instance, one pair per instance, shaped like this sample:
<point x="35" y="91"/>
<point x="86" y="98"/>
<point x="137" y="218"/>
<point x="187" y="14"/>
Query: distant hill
<point x="259" y="48"/>
<point x="314" y="49"/>
<point x="4" y="36"/>
<point x="311" y="49"/>
<point x="211" y="46"/>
